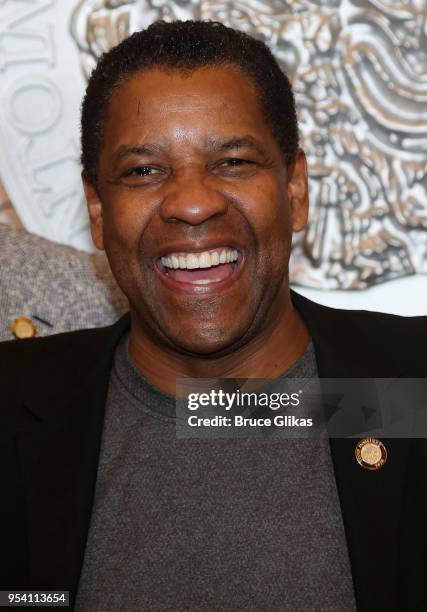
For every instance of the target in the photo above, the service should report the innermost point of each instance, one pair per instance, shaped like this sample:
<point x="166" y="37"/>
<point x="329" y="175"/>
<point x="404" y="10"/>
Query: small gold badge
<point x="23" y="328"/>
<point x="371" y="453"/>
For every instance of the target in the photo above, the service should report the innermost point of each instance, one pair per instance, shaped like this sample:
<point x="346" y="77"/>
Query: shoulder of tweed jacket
<point x="58" y="287"/>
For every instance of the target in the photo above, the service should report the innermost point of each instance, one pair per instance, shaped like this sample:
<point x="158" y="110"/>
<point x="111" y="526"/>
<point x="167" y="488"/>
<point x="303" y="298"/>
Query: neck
<point x="269" y="354"/>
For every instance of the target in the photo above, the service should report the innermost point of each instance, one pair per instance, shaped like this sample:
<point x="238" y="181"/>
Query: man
<point x="195" y="184"/>
<point x="48" y="288"/>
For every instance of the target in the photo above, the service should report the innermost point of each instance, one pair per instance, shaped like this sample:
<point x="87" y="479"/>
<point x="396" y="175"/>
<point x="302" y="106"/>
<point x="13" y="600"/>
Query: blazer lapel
<point x="59" y="454"/>
<point x="371" y="501"/>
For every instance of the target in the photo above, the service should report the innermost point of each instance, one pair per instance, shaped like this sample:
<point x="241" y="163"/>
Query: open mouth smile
<point x="201" y="272"/>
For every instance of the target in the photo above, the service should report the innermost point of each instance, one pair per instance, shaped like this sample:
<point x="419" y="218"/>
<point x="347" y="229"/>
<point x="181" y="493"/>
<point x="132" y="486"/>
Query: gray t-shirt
<point x="233" y="524"/>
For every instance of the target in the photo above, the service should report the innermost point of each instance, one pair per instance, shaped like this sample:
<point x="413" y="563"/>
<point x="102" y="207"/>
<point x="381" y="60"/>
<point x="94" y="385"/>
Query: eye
<point x="142" y="171"/>
<point x="235" y="166"/>
<point x="233" y="162"/>
<point x="143" y="175"/>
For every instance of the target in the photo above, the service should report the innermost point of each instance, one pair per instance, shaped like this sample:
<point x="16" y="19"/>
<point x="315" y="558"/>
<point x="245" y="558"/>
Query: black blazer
<point x="52" y="397"/>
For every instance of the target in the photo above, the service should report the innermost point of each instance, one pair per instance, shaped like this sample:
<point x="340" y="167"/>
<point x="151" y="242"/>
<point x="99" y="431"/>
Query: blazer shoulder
<point x="60" y="287"/>
<point x="367" y="323"/>
<point x="400" y="330"/>
<point x="20" y="247"/>
<point x="379" y="321"/>
<point x="364" y="342"/>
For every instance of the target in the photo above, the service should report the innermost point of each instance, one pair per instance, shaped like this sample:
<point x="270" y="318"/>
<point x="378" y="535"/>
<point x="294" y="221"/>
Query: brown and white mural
<point x="359" y="70"/>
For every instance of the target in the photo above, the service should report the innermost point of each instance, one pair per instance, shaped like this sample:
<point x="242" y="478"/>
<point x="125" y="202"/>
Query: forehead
<point x="194" y="105"/>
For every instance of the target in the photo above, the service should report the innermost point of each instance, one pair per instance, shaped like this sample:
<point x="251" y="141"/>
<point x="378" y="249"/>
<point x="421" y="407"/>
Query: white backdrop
<point x="404" y="296"/>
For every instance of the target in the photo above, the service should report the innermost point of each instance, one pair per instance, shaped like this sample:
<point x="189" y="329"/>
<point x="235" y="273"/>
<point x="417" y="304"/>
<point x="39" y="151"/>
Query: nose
<point x="191" y="199"/>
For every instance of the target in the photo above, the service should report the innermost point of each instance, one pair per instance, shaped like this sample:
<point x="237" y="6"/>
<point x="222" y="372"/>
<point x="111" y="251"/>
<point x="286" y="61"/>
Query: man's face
<point x="195" y="207"/>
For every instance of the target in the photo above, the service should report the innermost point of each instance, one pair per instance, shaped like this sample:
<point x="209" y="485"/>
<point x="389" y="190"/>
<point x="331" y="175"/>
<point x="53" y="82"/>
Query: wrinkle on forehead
<point x="169" y="109"/>
<point x="183" y="103"/>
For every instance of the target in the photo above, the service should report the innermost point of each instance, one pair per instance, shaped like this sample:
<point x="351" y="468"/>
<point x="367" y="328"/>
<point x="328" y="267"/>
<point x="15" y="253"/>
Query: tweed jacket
<point x="53" y="395"/>
<point x="59" y="288"/>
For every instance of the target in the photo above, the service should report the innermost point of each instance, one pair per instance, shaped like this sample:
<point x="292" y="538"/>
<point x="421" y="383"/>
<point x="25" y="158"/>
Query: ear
<point x="94" y="207"/>
<point x="298" y="190"/>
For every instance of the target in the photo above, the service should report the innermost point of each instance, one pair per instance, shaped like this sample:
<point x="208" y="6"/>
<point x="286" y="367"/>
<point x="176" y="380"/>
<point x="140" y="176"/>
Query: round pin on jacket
<point x="371" y="453"/>
<point x="23" y="328"/>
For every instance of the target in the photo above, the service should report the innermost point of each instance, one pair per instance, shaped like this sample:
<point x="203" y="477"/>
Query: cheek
<point x="266" y="205"/>
<point x="124" y="220"/>
<point x="269" y="216"/>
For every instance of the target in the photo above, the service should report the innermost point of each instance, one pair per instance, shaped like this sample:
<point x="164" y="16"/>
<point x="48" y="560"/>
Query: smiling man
<point x="195" y="202"/>
<point x="195" y="184"/>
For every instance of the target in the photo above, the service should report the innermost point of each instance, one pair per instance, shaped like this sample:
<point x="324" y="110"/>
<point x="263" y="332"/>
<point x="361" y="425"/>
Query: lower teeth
<point x="205" y="281"/>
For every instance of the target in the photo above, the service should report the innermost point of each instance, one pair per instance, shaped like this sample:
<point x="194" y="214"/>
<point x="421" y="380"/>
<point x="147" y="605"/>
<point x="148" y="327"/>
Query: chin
<point x="207" y="343"/>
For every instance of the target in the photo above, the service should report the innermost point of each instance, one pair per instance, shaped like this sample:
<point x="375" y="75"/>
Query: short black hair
<point x="187" y="45"/>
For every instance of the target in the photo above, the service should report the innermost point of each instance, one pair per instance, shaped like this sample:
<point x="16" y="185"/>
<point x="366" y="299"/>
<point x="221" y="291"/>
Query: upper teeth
<point x="207" y="259"/>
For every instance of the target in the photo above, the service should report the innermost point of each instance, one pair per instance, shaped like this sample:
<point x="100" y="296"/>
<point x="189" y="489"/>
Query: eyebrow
<point x="213" y="145"/>
<point x="140" y="149"/>
<point x="245" y="142"/>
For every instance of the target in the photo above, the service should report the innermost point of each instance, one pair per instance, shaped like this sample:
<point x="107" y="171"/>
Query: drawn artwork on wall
<point x="359" y="71"/>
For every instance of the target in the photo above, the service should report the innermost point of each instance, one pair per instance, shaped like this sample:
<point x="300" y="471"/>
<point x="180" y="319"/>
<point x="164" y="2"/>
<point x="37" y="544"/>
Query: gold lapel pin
<point x="371" y="453"/>
<point x="23" y="328"/>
